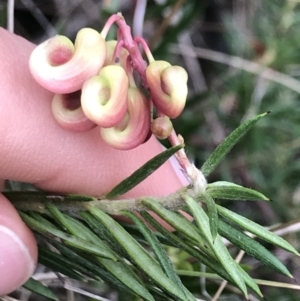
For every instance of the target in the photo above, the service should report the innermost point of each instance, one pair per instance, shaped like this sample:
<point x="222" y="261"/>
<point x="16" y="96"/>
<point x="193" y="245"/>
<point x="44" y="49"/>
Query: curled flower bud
<point x="67" y="111"/>
<point x="110" y="51"/>
<point x="168" y="87"/>
<point x="104" y="96"/>
<point x="162" y="127"/>
<point x="134" y="128"/>
<point x="62" y="67"/>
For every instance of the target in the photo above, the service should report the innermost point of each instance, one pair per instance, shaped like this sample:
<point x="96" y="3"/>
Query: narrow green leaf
<point x="160" y="253"/>
<point x="204" y="258"/>
<point x="20" y="199"/>
<point x="78" y="229"/>
<point x="125" y="275"/>
<point x="58" y="263"/>
<point x="78" y="262"/>
<point x="212" y="214"/>
<point x="203" y="224"/>
<point x="39" y="218"/>
<point x="222" y="150"/>
<point x="252" y="247"/>
<point x="87" y="234"/>
<point x="70" y="240"/>
<point x="79" y="198"/>
<point x="249" y="281"/>
<point x="103" y="233"/>
<point x="230" y="191"/>
<point x="229" y="264"/>
<point x="134" y="232"/>
<point x="40" y="289"/>
<point x="138" y="254"/>
<point x="61" y="219"/>
<point x="180" y="223"/>
<point x="201" y="218"/>
<point x="119" y="274"/>
<point x="215" y="276"/>
<point x="256" y="229"/>
<point x="93" y="266"/>
<point x="217" y="246"/>
<point x="142" y="173"/>
<point x="157" y="248"/>
<point x="173" y="239"/>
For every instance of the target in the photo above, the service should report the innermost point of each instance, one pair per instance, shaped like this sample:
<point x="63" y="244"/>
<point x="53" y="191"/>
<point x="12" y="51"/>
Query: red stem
<point x="140" y="65"/>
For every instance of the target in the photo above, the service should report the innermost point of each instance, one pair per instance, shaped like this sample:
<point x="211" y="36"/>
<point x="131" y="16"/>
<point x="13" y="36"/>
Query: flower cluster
<point x="94" y="85"/>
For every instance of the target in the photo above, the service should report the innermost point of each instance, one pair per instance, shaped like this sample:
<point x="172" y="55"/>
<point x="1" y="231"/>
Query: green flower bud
<point x="162" y="127"/>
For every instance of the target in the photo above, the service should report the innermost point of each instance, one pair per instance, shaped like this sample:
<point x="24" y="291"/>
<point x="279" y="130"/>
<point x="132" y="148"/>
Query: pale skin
<point x="35" y="149"/>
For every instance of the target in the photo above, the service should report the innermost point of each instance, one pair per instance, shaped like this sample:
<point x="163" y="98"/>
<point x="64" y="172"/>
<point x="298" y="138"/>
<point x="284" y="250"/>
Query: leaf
<point x="212" y="214"/>
<point x="224" y="148"/>
<point x="217" y="246"/>
<point x="40" y="289"/>
<point x="125" y="275"/>
<point x="201" y="218"/>
<point x="256" y="229"/>
<point x="103" y="233"/>
<point x="78" y="229"/>
<point x="181" y="244"/>
<point x="97" y="271"/>
<point x="252" y="247"/>
<point x="134" y="232"/>
<point x="70" y="240"/>
<point x="159" y="252"/>
<point x="92" y="266"/>
<point x="138" y="254"/>
<point x="142" y="173"/>
<point x="39" y="218"/>
<point x="210" y="262"/>
<point x="79" y="198"/>
<point x="229" y="264"/>
<point x="249" y="281"/>
<point x="59" y="264"/>
<point x="18" y="197"/>
<point x="180" y="223"/>
<point x="230" y="191"/>
<point x="122" y="275"/>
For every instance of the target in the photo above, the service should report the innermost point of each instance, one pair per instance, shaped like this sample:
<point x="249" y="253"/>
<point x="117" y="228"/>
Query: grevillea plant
<point x="94" y="86"/>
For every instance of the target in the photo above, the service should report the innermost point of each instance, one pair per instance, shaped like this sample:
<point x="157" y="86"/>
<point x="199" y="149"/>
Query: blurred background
<point x="243" y="58"/>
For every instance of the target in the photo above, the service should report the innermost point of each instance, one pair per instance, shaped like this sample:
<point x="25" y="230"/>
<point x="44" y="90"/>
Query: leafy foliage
<point x="96" y="247"/>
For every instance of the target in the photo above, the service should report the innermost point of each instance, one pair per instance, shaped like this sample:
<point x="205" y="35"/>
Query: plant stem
<point x="37" y="201"/>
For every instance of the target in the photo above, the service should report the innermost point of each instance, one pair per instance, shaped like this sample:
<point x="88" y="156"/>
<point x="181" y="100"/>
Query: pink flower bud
<point x="134" y="128"/>
<point x="62" y="67"/>
<point x="67" y="111"/>
<point x="162" y="127"/>
<point x="168" y="87"/>
<point x="104" y="96"/>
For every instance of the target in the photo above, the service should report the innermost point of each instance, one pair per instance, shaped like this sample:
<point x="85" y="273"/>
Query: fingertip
<point x="18" y="249"/>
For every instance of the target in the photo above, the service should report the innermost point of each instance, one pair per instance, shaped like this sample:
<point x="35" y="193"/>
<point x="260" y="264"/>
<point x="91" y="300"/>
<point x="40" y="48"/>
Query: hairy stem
<point x="37" y="201"/>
